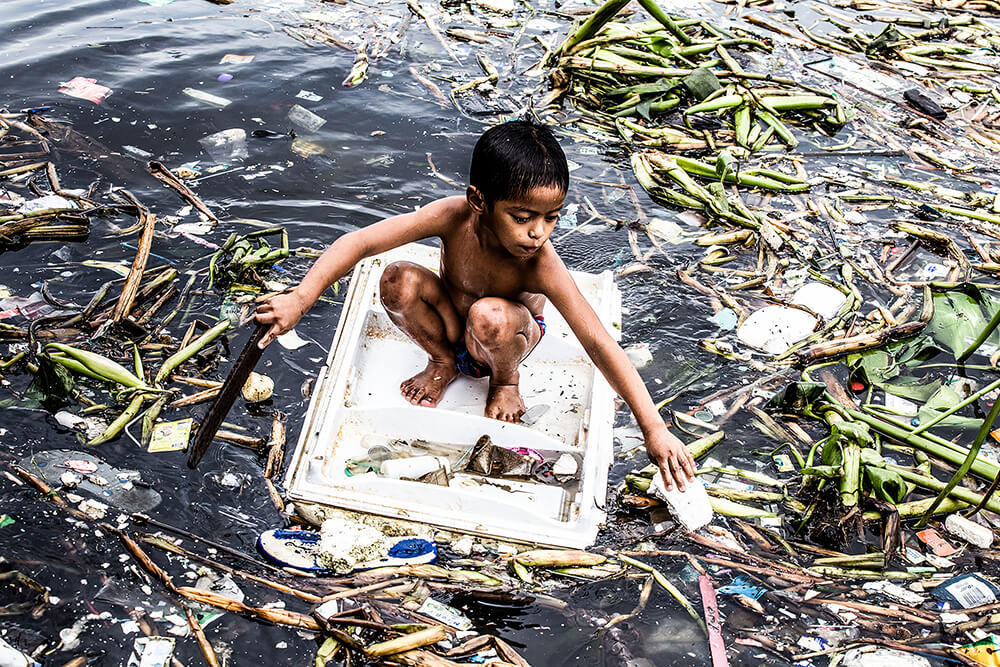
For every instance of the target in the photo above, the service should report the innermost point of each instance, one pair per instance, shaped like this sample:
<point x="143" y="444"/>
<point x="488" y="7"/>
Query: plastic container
<point x="305" y="119"/>
<point x="226" y="145"/>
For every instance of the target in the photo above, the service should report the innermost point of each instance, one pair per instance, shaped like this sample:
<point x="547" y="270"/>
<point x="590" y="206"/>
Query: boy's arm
<point x="664" y="448"/>
<point x="284" y="310"/>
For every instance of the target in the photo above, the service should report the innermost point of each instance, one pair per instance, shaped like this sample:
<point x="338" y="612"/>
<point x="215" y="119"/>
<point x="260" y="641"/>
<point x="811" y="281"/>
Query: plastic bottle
<point x="412" y="468"/>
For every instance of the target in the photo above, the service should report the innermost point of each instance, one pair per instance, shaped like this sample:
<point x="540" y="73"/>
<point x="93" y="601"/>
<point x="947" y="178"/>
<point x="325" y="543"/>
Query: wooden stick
<point x="276" y="452"/>
<point x="419" y="11"/>
<point x="203" y="643"/>
<point x="231" y="387"/>
<point x="162" y="173"/>
<point x="173" y="548"/>
<point x="198" y="397"/>
<point x="131" y="287"/>
<point x="276" y="499"/>
<point x="879" y="611"/>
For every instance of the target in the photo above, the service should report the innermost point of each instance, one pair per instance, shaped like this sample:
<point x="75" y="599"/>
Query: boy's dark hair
<point x="514" y="157"/>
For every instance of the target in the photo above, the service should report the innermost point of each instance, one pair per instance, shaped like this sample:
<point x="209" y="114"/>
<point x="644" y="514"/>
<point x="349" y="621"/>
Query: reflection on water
<point x="386" y="147"/>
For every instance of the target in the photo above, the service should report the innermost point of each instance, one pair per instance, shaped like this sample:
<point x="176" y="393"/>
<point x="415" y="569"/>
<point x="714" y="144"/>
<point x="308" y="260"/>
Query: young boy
<point x="483" y="315"/>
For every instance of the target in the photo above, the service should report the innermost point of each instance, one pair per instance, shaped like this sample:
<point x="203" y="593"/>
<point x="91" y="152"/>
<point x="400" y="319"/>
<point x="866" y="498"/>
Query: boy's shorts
<point x="477" y="369"/>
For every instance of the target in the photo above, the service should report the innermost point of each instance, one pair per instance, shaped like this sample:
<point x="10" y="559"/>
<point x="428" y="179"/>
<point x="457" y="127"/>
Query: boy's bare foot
<point x="426" y="387"/>
<point x="504" y="403"/>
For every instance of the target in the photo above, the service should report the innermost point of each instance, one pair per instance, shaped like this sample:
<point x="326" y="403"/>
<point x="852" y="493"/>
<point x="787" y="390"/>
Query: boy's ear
<point x="477" y="202"/>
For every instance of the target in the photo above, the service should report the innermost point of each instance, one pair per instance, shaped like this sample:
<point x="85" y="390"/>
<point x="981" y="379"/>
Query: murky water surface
<point x="376" y="150"/>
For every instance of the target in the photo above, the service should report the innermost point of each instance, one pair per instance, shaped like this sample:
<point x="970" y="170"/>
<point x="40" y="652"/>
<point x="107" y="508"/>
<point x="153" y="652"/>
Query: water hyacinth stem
<point x="115" y="427"/>
<point x="955" y="408"/>
<point x="984" y="431"/>
<point x="669" y="587"/>
<point x="934" y="484"/>
<point x="593" y="24"/>
<point x="980" y="467"/>
<point x="981" y="338"/>
<point x="99" y="365"/>
<point x="193" y="348"/>
<point x="414" y="640"/>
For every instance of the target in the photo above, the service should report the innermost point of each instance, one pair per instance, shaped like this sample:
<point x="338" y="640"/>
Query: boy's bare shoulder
<point x="449" y="209"/>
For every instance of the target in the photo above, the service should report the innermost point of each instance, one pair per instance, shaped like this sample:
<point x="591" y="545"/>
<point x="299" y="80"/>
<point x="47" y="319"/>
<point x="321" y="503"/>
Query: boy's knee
<point x="490" y="321"/>
<point x="399" y="285"/>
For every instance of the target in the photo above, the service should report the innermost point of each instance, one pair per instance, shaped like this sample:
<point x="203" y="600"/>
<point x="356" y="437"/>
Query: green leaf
<point x="912" y="388"/>
<point x="797" y="396"/>
<point x="958" y="319"/>
<point x="52" y="386"/>
<point x="701" y="83"/>
<point x="887" y="485"/>
<point x="943" y="400"/>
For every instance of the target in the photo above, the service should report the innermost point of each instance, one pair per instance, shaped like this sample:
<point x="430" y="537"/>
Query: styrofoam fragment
<point x="690" y="507"/>
<point x="970" y="531"/>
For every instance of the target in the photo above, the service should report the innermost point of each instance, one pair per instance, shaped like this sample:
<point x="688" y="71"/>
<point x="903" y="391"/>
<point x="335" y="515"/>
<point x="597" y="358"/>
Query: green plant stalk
<point x="755" y="477"/>
<point x="522" y="572"/>
<point x="847" y="573"/>
<point x="13" y="360"/>
<point x="115" y="427"/>
<point x="850" y="479"/>
<point x="717" y="104"/>
<point x="654" y="108"/>
<point x="137" y="362"/>
<point x="934" y="484"/>
<point x="981" y="338"/>
<point x="708" y="171"/>
<point x="796" y="102"/>
<point x="742" y="119"/>
<point x="101" y="365"/>
<point x="667" y="586"/>
<point x="866" y="561"/>
<point x="657" y="13"/>
<point x="984" y="469"/>
<point x="698" y="448"/>
<point x="193" y="348"/>
<point x="953" y="210"/>
<point x="905" y="427"/>
<point x="745" y="495"/>
<point x="952" y="410"/>
<point x="786" y="135"/>
<point x="984" y="431"/>
<point x="915" y="508"/>
<point x="75" y="366"/>
<point x="149" y="419"/>
<point x="728" y="507"/>
<point x="593" y="24"/>
<point x="326" y="651"/>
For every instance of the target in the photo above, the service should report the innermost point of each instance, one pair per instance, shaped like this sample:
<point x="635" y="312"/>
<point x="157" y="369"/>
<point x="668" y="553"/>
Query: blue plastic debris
<point x="742" y="586"/>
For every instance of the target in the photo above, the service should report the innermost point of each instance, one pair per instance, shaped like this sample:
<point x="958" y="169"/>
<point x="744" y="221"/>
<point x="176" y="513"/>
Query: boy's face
<point x="523" y="225"/>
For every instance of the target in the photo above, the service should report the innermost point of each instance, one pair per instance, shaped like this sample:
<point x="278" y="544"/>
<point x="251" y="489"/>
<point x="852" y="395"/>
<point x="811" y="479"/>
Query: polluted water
<point x="797" y="200"/>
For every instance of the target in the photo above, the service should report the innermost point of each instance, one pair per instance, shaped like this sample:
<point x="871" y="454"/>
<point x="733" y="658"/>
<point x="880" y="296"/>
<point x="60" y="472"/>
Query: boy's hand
<point x="671" y="456"/>
<point x="282" y="312"/>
